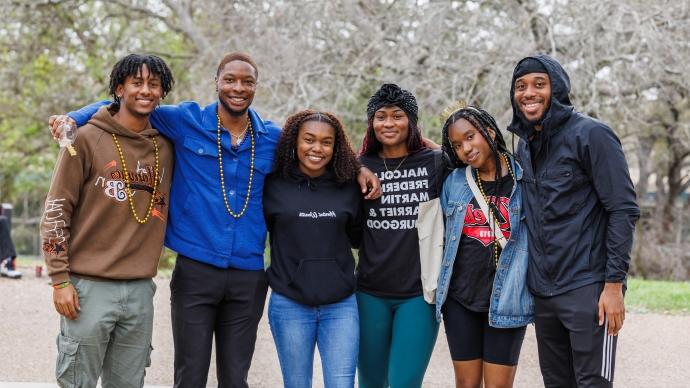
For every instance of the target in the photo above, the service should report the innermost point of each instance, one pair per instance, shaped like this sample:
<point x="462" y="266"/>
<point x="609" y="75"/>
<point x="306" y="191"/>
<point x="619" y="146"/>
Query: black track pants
<point x="574" y="351"/>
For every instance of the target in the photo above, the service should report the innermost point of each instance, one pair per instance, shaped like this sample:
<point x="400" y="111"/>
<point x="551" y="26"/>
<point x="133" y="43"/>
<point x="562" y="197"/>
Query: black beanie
<point x="392" y="94"/>
<point x="527" y="66"/>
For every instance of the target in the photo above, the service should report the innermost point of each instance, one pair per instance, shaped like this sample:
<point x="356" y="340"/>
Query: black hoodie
<point x="312" y="223"/>
<point x="6" y="244"/>
<point x="578" y="198"/>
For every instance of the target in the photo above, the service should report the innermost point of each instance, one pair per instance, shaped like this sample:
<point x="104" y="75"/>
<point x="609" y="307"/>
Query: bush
<point x="167" y="261"/>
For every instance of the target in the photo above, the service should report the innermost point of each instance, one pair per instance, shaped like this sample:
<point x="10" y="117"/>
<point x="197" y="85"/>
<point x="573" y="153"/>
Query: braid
<point x="131" y="66"/>
<point x="344" y="161"/>
<point x="482" y="121"/>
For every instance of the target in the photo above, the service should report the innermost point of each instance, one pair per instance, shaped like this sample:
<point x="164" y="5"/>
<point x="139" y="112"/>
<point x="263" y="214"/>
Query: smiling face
<point x="533" y="95"/>
<point x="141" y="93"/>
<point x="315" y="146"/>
<point x="470" y="146"/>
<point x="391" y="126"/>
<point x="236" y="85"/>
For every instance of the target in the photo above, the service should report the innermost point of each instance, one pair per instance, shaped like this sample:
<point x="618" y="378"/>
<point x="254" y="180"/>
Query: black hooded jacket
<point x="578" y="198"/>
<point x="6" y="244"/>
<point x="313" y="223"/>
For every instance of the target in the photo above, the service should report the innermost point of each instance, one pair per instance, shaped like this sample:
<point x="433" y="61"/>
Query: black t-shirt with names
<point x="474" y="268"/>
<point x="389" y="255"/>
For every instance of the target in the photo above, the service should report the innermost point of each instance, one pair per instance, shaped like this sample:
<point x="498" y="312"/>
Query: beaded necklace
<point x="251" y="171"/>
<point x="128" y="188"/>
<point x="491" y="210"/>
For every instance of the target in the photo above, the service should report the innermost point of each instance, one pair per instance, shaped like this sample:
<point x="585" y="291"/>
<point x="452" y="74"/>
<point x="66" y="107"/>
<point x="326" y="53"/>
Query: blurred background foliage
<point x="627" y="61"/>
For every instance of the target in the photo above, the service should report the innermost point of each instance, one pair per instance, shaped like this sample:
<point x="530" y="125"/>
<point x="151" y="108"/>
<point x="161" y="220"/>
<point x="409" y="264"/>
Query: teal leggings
<point x="397" y="337"/>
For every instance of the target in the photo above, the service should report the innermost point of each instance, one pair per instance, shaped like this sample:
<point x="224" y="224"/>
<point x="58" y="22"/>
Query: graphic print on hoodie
<point x="313" y="224"/>
<point x="87" y="226"/>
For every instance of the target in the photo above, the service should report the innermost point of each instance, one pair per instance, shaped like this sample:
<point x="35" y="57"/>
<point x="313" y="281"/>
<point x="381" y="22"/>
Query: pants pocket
<point x="322" y="281"/>
<point x="154" y="287"/>
<point x="65" y="368"/>
<point x="148" y="356"/>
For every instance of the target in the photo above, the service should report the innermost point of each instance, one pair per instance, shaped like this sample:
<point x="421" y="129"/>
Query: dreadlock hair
<point x="132" y="64"/>
<point x="344" y="162"/>
<point x="482" y="121"/>
<point x="237" y="56"/>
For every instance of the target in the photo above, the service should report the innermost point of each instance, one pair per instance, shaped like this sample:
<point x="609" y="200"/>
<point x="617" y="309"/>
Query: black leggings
<point x="470" y="337"/>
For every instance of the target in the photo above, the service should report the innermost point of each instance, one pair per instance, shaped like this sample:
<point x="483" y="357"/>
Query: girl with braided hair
<point x="482" y="289"/>
<point x="313" y="211"/>
<point x="398" y="329"/>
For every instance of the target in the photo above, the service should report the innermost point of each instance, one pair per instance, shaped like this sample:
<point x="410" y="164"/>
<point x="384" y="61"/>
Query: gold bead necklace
<point x="128" y="188"/>
<point x="491" y="211"/>
<point x="251" y="170"/>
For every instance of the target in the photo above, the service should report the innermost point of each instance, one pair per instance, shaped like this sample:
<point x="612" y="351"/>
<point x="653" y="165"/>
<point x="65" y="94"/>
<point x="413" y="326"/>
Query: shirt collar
<point x="210" y="119"/>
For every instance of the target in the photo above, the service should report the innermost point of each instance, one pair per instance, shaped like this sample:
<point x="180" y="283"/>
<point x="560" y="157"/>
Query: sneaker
<point x="8" y="272"/>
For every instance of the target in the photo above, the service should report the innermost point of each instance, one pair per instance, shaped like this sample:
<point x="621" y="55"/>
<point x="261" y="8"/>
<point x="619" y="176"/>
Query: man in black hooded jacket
<point x="7" y="252"/>
<point x="580" y="209"/>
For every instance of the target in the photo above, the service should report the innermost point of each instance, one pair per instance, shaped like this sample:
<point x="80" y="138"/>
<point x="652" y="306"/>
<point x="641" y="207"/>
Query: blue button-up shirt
<point x="199" y="225"/>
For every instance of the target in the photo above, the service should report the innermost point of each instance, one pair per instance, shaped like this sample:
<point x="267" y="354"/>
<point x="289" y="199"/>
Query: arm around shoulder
<point x="83" y="115"/>
<point x="172" y="121"/>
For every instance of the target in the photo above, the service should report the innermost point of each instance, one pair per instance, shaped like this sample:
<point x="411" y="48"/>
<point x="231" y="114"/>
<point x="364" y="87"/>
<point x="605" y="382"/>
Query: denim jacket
<point x="511" y="303"/>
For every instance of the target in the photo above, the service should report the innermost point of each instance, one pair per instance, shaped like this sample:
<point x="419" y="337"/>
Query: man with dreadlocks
<point x="223" y="153"/>
<point x="580" y="211"/>
<point x="102" y="243"/>
<point x="482" y="289"/>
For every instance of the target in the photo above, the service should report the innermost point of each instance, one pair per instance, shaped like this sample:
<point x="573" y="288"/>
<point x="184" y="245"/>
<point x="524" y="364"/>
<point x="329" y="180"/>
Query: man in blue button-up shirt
<point x="223" y="153"/>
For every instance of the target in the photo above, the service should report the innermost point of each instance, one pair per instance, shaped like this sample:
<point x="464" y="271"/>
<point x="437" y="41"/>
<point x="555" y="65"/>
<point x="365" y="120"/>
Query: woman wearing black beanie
<point x="397" y="327"/>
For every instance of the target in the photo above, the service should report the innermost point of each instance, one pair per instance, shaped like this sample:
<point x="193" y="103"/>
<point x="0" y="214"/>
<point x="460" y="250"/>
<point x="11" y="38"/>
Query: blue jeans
<point x="297" y="328"/>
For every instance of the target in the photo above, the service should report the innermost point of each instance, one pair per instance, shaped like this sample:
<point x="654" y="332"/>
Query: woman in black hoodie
<point x="312" y="207"/>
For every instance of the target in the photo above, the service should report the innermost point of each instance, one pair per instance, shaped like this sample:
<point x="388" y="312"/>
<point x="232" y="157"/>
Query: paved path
<point x="654" y="350"/>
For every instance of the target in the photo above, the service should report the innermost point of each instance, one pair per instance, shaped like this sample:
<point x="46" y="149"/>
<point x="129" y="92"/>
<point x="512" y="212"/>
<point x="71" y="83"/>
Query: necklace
<point x="240" y="137"/>
<point x="491" y="210"/>
<point x="399" y="164"/>
<point x="251" y="170"/>
<point x="128" y="188"/>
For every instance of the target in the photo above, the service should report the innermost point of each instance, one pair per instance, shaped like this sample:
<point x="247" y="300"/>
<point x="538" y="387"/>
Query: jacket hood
<point x="296" y="175"/>
<point x="560" y="107"/>
<point x="104" y="120"/>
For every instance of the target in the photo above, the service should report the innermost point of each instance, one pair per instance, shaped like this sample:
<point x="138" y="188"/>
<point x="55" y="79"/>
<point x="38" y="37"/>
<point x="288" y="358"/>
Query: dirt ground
<point x="653" y="350"/>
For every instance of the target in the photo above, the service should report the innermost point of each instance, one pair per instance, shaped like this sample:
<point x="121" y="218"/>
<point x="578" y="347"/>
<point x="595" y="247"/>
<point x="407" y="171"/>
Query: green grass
<point x="658" y="296"/>
<point x="642" y="295"/>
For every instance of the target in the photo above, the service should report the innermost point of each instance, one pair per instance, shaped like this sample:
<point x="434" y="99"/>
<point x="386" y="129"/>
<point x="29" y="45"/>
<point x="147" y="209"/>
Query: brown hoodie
<point x="88" y="227"/>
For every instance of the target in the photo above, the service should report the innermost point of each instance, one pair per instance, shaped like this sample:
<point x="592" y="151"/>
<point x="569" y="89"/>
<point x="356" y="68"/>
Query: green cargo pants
<point x="111" y="338"/>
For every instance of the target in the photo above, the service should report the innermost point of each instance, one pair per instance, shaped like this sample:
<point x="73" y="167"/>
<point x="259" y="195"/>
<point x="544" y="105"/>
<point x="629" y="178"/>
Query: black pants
<point x="574" y="351"/>
<point x="6" y="243"/>
<point x="206" y="300"/>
